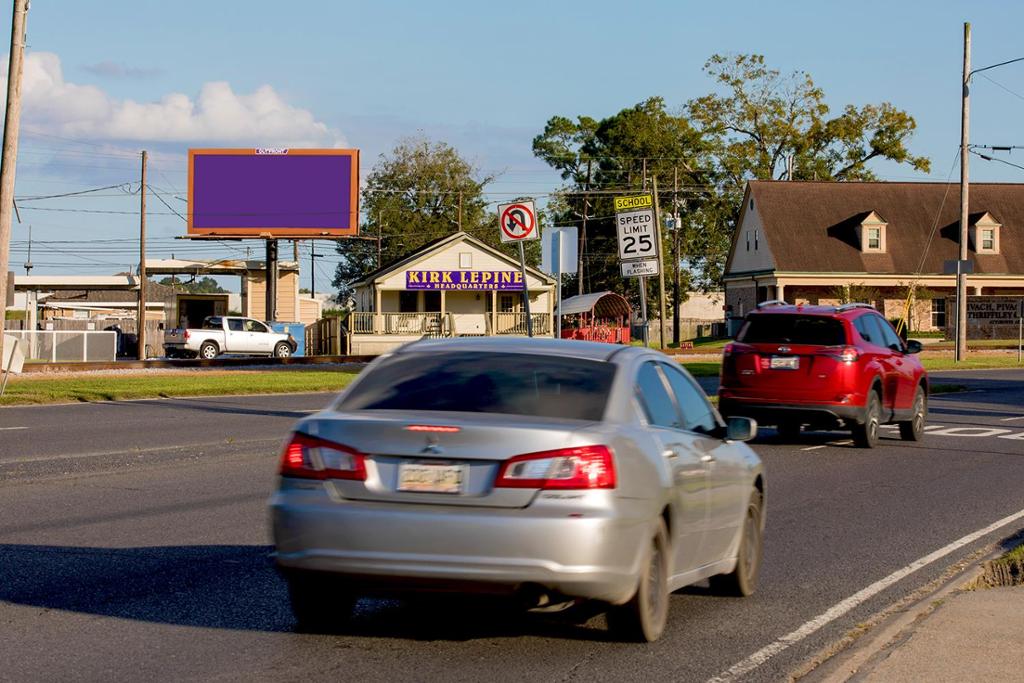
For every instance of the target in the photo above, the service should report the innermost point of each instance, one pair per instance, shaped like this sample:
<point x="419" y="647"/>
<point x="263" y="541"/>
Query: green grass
<point x="702" y="368"/>
<point x="107" y="388"/>
<point x="985" y="362"/>
<point x="946" y="388"/>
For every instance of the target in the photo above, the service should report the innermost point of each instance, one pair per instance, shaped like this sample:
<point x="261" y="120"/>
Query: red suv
<point x="824" y="366"/>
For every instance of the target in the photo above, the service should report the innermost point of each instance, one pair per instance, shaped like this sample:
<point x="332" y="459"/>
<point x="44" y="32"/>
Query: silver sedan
<point x="547" y="469"/>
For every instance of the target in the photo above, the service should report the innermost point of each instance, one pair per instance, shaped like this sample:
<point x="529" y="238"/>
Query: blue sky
<point x="112" y="78"/>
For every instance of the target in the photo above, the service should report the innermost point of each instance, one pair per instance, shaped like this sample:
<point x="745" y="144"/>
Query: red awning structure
<point x="601" y="316"/>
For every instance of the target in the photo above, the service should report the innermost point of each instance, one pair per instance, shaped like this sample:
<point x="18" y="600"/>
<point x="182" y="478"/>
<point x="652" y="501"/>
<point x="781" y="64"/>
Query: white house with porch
<point x="455" y="286"/>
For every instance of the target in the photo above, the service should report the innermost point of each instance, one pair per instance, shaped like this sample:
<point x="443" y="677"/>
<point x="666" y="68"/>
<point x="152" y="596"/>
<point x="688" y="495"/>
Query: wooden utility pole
<point x="961" y="277"/>
<point x="661" y="263"/>
<point x="583" y="235"/>
<point x="141" y="314"/>
<point x="460" y="210"/>
<point x="9" y="158"/>
<point x="676" y="304"/>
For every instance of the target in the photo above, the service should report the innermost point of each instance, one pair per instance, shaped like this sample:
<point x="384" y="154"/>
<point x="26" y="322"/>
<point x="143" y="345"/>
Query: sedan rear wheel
<point x="742" y="581"/>
<point x="913" y="429"/>
<point x="643" y="618"/>
<point x="320" y="604"/>
<point x="865" y="435"/>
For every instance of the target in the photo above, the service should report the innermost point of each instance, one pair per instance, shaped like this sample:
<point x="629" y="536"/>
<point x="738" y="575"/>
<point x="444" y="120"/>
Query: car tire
<point x="913" y="429"/>
<point x="788" y="431"/>
<point x="208" y="351"/>
<point x="319" y="604"/>
<point x="643" y="618"/>
<point x="282" y="350"/>
<point x="742" y="581"/>
<point x="865" y="434"/>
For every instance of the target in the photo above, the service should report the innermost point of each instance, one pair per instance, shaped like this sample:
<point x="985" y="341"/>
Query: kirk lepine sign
<point x="464" y="279"/>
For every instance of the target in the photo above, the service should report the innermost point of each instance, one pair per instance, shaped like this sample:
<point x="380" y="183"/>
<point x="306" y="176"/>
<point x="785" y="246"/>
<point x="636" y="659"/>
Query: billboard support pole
<point x="271" y="271"/>
<point x="526" y="291"/>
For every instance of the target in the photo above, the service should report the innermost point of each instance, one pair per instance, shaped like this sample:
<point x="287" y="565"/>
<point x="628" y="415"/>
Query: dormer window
<point x="872" y="234"/>
<point x="984" y="234"/>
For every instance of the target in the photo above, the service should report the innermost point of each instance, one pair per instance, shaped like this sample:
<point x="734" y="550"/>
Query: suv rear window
<point x="792" y="329"/>
<point x="478" y="382"/>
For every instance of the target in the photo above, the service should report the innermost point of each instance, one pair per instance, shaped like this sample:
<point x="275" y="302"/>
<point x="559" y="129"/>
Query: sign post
<point x="1020" y="330"/>
<point x="518" y="223"/>
<point x="558" y="248"/>
<point x="636" y="228"/>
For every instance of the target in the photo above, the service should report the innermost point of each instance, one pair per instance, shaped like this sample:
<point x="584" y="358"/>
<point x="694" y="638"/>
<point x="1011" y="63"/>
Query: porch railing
<point x="396" y="323"/>
<point x="515" y="324"/>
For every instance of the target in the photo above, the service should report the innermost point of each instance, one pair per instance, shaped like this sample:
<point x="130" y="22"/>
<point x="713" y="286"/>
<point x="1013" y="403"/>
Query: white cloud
<point x="217" y="116"/>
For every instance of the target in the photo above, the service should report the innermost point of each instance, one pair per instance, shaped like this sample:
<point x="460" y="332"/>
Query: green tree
<point x="763" y="118"/>
<point x="203" y="285"/>
<point x="418" y="193"/>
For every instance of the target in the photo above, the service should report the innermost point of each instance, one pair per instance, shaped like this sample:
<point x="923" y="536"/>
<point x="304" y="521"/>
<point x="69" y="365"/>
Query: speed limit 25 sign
<point x="638" y="237"/>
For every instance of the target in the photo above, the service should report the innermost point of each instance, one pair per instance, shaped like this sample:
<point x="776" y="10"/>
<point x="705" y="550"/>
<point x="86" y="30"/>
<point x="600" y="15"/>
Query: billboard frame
<point x="234" y="232"/>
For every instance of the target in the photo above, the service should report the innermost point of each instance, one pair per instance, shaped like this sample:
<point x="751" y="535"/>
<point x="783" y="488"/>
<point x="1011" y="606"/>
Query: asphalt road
<point x="134" y="545"/>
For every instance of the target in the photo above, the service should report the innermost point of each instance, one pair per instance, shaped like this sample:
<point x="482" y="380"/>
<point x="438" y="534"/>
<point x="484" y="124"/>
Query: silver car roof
<point x="542" y="346"/>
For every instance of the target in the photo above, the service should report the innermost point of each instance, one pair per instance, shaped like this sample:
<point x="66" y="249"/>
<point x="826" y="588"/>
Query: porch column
<point x="977" y="291"/>
<point x="780" y="291"/>
<point x="378" y="318"/>
<point x="442" y="303"/>
<point x="494" y="311"/>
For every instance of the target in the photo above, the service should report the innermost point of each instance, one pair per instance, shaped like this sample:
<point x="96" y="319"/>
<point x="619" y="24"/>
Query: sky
<point x="105" y="80"/>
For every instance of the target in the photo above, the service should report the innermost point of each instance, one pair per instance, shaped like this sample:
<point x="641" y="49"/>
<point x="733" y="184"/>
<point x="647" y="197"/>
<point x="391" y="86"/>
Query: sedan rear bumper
<point x="436" y="547"/>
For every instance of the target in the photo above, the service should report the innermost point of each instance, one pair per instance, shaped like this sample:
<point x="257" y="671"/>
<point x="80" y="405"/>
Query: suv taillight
<point x="308" y="457"/>
<point x="847" y="354"/>
<point x="586" y="467"/>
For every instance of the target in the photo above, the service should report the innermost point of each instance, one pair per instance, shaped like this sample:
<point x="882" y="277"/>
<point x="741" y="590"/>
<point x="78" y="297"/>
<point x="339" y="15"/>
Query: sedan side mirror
<point x="740" y="429"/>
<point x="914" y="346"/>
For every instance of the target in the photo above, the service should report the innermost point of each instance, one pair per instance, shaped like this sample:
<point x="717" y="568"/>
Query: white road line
<point x="1011" y="419"/>
<point x="814" y="448"/>
<point x="839" y="609"/>
<point x="11" y="429"/>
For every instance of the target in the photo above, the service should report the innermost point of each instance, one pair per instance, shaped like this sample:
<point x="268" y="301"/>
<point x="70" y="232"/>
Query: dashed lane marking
<point x="839" y="609"/>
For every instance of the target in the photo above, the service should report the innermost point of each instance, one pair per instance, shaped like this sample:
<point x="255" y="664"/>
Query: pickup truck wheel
<point x="208" y="351"/>
<point x="282" y="350"/>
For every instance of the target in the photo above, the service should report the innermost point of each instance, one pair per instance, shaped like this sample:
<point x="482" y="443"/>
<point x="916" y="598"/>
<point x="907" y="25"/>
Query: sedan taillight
<point x="585" y="467"/>
<point x="308" y="457"/>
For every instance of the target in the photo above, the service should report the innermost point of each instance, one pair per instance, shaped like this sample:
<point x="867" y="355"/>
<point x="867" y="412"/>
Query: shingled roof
<point x="811" y="226"/>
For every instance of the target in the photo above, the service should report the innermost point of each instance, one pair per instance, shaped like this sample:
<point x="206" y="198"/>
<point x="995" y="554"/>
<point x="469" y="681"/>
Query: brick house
<point x="805" y="241"/>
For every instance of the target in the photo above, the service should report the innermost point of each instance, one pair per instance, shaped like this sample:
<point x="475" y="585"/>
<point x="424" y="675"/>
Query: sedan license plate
<point x="785" y="363"/>
<point x="430" y="478"/>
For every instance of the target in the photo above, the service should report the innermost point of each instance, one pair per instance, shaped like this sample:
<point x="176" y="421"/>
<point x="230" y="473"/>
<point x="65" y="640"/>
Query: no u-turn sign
<point x="518" y="221"/>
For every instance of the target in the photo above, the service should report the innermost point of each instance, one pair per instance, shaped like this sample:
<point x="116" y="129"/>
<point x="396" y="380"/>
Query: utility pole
<point x="141" y="316"/>
<point x="661" y="264"/>
<point x="9" y="158"/>
<point x="676" y="258"/>
<point x="380" y="234"/>
<point x="460" y="210"/>
<point x="312" y="268"/>
<point x="28" y="261"/>
<point x="961" y="277"/>
<point x="583" y="234"/>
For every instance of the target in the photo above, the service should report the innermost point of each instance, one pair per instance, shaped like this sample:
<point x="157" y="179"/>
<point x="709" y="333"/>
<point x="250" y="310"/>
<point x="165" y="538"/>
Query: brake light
<point x="436" y="429"/>
<point x="186" y="334"/>
<point x="308" y="457"/>
<point x="847" y="354"/>
<point x="727" y="351"/>
<point x="585" y="467"/>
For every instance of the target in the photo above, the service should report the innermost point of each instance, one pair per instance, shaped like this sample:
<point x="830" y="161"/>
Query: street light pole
<point x="961" y="276"/>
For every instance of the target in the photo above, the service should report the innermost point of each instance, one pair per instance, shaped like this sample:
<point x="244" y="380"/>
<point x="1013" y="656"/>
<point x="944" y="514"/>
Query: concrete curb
<point x="855" y="656"/>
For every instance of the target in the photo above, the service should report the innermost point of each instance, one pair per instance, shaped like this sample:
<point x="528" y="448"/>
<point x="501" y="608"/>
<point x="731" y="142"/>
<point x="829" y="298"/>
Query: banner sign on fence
<point x="510" y="280"/>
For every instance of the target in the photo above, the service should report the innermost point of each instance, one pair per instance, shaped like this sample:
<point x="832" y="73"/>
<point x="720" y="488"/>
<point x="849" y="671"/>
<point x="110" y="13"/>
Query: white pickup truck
<point x="228" y="334"/>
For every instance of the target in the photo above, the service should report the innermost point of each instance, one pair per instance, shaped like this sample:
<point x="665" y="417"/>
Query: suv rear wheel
<point x="913" y="429"/>
<point x="865" y="434"/>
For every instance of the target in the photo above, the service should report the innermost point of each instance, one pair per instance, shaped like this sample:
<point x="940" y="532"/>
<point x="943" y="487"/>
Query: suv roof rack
<point x="855" y="304"/>
<point x="772" y="302"/>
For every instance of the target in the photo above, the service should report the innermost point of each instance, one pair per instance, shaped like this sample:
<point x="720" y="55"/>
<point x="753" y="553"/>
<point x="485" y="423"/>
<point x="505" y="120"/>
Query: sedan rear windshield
<point x="765" y="328"/>
<point x="476" y="382"/>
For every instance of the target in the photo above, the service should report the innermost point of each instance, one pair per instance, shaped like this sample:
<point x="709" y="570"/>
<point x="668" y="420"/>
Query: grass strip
<point x="986" y="362"/>
<point x="24" y="391"/>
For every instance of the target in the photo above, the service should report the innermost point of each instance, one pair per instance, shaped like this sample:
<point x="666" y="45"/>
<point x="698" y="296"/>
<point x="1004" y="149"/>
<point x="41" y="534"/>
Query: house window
<point x="874" y="238"/>
<point x="755" y="239"/>
<point x="465" y="259"/>
<point x="506" y="303"/>
<point x="939" y="313"/>
<point x="748" y="240"/>
<point x="988" y="239"/>
<point x="408" y="302"/>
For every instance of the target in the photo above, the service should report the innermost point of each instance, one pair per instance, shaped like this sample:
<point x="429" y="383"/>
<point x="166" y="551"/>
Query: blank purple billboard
<point x="273" y="192"/>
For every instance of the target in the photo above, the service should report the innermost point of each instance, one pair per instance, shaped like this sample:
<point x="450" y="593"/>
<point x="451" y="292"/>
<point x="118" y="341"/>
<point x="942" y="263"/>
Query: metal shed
<point x="600" y="316"/>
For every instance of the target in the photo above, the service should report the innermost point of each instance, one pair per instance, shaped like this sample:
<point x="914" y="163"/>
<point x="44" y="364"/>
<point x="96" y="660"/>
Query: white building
<point x="454" y="286"/>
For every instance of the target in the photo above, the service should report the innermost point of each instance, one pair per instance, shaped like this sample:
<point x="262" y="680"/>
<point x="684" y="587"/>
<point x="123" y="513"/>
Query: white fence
<point x="63" y="347"/>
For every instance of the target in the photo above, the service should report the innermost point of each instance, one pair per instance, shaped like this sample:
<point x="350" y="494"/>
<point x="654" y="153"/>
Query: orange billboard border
<point x="276" y="233"/>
